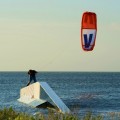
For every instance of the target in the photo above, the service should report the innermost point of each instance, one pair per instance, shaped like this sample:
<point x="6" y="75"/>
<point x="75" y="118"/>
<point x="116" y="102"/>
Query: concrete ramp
<point x="31" y="95"/>
<point x="39" y="93"/>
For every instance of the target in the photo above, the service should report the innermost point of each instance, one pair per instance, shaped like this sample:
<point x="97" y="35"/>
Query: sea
<point x="82" y="92"/>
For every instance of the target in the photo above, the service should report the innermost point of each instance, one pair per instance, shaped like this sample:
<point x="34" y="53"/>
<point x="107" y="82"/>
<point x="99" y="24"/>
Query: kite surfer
<point x="32" y="74"/>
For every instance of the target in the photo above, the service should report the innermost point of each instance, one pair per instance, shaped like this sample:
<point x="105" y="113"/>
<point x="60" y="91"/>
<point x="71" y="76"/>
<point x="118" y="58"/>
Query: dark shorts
<point x="33" y="78"/>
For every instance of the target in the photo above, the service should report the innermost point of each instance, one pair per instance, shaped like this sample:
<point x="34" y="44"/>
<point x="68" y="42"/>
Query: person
<point x="32" y="74"/>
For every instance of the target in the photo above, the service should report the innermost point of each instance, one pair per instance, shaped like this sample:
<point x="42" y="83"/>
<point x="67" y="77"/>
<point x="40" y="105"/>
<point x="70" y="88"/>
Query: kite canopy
<point x="88" y="30"/>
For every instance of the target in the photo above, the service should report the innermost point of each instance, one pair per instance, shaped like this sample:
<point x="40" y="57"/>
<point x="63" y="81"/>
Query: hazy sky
<point x="45" y="35"/>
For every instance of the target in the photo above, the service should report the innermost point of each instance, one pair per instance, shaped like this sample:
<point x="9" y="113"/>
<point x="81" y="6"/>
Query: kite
<point x="88" y="30"/>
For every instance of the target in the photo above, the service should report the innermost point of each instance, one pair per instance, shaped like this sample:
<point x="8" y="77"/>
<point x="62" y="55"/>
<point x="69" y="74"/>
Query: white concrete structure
<point x="39" y="93"/>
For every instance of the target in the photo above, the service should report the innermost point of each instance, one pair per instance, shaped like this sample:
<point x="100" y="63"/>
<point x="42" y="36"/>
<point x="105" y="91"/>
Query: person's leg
<point x="34" y="78"/>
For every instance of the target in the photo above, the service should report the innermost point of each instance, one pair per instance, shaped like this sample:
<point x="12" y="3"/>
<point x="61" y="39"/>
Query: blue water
<point x="98" y="92"/>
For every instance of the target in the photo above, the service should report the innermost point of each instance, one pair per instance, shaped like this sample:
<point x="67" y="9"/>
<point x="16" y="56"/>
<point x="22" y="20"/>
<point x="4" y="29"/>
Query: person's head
<point x="30" y="69"/>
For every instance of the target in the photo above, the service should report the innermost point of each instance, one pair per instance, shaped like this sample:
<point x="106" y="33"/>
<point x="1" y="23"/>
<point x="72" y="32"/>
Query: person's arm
<point x="29" y="72"/>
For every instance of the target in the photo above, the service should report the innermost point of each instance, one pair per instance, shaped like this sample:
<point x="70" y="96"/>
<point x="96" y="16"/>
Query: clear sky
<point x="45" y="35"/>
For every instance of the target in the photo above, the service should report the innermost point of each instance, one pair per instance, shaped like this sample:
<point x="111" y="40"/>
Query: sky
<point x="45" y="35"/>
